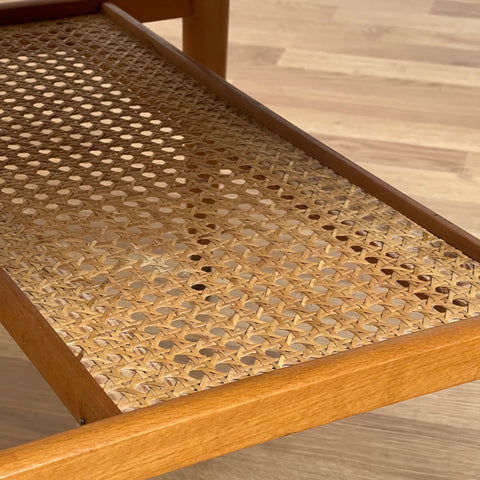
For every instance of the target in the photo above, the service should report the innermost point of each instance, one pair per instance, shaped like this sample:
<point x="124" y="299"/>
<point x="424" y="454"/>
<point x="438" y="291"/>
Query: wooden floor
<point x="395" y="86"/>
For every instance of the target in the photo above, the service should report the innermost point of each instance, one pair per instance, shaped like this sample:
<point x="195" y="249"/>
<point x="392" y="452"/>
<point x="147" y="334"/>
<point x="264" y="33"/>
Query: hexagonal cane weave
<point x="174" y="243"/>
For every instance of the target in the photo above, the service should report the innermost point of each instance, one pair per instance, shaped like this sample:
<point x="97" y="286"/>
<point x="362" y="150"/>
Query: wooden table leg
<point x="205" y="34"/>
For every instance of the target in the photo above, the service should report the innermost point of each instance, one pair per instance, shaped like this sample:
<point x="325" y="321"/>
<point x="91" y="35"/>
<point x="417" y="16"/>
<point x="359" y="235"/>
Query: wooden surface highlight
<point x="353" y="172"/>
<point x="191" y="429"/>
<point x="77" y="389"/>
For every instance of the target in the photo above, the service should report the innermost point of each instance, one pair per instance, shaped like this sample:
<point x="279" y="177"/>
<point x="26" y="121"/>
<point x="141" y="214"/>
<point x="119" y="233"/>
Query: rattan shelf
<point x="160" y="240"/>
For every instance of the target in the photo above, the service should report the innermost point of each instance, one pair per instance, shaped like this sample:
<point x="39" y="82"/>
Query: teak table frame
<point x="193" y="428"/>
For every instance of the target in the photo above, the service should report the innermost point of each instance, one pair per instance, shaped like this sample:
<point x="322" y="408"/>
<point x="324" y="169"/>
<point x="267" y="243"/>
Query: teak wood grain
<point x="205" y="34"/>
<point x="203" y="425"/>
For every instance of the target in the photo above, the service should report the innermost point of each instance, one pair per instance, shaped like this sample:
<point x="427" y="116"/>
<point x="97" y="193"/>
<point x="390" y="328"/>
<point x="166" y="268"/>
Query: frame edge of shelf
<point x="62" y="370"/>
<point x="415" y="211"/>
<point x="200" y="426"/>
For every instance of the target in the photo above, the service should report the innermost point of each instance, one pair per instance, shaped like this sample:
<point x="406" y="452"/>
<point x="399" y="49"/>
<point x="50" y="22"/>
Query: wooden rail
<point x="190" y="429"/>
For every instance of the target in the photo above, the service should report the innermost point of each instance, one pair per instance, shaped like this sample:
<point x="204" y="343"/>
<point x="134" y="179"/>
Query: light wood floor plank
<point x="405" y="101"/>
<point x="455" y="8"/>
<point x="357" y="65"/>
<point x="367" y="127"/>
<point x="461" y="28"/>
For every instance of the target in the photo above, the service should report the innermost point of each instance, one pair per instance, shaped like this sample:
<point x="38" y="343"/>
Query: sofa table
<point x="191" y="273"/>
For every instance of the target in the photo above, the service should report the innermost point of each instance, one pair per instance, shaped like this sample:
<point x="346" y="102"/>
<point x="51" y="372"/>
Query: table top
<point x="175" y="244"/>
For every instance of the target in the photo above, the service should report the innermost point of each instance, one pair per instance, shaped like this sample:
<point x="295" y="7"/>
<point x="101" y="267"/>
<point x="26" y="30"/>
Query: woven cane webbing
<point x="173" y="243"/>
